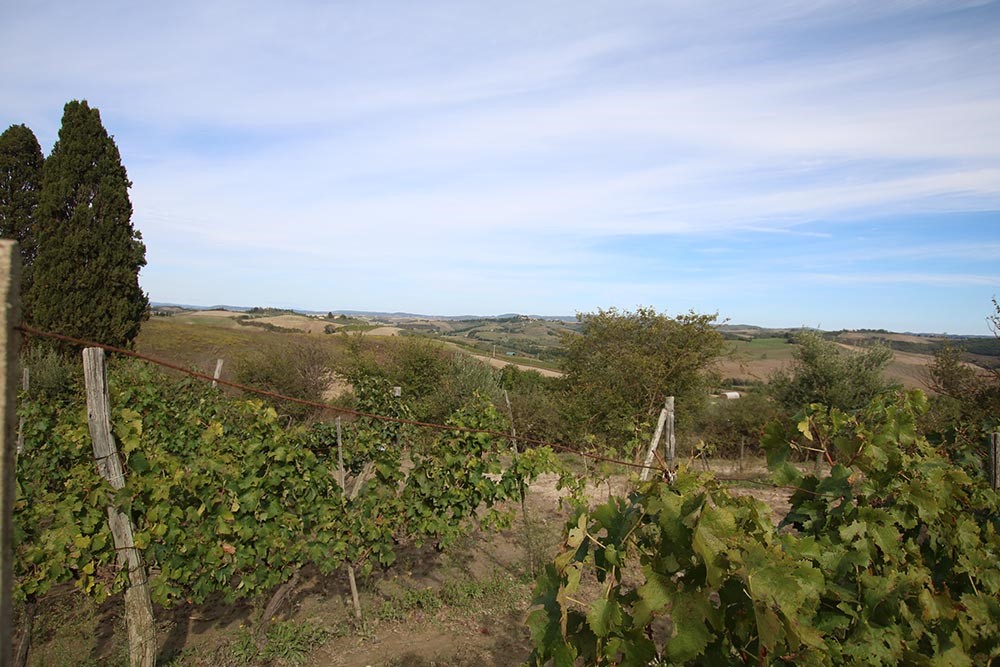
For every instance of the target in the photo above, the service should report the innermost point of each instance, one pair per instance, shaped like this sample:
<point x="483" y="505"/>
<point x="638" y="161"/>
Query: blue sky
<point x="821" y="163"/>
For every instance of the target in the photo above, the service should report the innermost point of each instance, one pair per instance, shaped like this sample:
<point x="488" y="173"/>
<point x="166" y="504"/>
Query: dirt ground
<point x="466" y="606"/>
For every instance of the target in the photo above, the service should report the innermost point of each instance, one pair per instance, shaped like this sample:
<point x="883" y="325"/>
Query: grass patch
<point x="498" y="592"/>
<point x="286" y="643"/>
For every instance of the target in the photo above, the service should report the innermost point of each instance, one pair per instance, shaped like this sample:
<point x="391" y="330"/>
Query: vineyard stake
<point x="218" y="373"/>
<point x="666" y="420"/>
<point x="653" y="444"/>
<point x="138" y="607"/>
<point x="671" y="440"/>
<point x="343" y="492"/>
<point x="25" y="385"/>
<point x="10" y="317"/>
<point x="995" y="460"/>
<point x="522" y="488"/>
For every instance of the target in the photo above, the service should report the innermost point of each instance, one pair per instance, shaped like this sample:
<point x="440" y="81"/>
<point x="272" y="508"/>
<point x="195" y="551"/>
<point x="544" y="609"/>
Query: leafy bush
<point x="965" y="409"/>
<point x="296" y="367"/>
<point x="623" y="365"/>
<point x="730" y="427"/>
<point x="434" y="380"/>
<point x="890" y="559"/>
<point x="51" y="376"/>
<point x="825" y="373"/>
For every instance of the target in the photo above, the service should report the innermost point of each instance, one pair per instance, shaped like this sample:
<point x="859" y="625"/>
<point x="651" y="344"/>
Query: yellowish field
<point x="301" y="322"/>
<point x="757" y="360"/>
<point x="384" y="331"/>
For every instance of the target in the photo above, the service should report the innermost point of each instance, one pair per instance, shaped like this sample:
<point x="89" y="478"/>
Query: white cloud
<point x="519" y="135"/>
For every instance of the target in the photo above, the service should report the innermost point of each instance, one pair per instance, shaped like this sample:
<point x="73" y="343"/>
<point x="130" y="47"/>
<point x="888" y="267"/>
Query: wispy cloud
<point x="521" y="140"/>
<point x="927" y="279"/>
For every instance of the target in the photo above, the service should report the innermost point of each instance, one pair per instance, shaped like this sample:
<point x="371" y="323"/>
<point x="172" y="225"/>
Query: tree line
<point x="72" y="218"/>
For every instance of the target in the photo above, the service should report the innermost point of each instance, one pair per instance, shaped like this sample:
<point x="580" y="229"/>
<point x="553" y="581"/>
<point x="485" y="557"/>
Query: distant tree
<point x="20" y="181"/>
<point x="994" y="319"/>
<point x="623" y="365"/>
<point x="825" y="373"/>
<point x="85" y="281"/>
<point x="965" y="406"/>
<point x="298" y="367"/>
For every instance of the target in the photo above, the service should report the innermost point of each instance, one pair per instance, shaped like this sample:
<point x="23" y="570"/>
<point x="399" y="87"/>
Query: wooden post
<point x="522" y="488"/>
<point x="653" y="444"/>
<point x="217" y="374"/>
<point x="995" y="460"/>
<point x="397" y="393"/>
<point x="31" y="603"/>
<point x="510" y="413"/>
<point x="25" y="384"/>
<point x="10" y="347"/>
<point x="138" y="607"/>
<point x="671" y="440"/>
<point x="343" y="490"/>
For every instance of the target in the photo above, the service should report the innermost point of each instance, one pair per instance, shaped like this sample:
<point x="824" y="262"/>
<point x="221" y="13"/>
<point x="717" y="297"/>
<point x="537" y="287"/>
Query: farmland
<point x="752" y="353"/>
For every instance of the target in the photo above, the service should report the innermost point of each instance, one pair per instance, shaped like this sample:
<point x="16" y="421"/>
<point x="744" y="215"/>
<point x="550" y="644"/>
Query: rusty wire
<point x="32" y="331"/>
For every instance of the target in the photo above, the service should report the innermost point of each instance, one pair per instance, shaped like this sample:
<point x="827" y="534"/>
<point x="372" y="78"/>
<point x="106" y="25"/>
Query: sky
<point x="825" y="163"/>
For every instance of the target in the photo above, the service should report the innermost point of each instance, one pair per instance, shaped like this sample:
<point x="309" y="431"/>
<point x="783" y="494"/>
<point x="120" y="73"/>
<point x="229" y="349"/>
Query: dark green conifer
<point x="20" y="180"/>
<point x="86" y="273"/>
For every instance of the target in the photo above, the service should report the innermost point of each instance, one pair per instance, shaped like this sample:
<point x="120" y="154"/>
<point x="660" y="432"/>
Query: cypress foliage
<point x="86" y="274"/>
<point x="20" y="180"/>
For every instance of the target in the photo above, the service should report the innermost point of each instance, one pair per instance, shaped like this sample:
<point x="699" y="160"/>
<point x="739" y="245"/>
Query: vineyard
<point x="891" y="553"/>
<point x="229" y="502"/>
<point x="887" y="552"/>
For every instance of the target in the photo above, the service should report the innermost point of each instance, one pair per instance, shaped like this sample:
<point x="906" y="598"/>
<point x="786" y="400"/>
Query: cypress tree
<point x="20" y="180"/>
<point x="86" y="273"/>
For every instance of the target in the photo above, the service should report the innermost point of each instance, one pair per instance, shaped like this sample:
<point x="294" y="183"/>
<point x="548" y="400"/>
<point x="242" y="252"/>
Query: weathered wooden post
<point x="138" y="607"/>
<point x="218" y="373"/>
<point x="10" y="347"/>
<point x="653" y="444"/>
<point x="397" y="393"/>
<point x="666" y="420"/>
<point x="25" y="385"/>
<point x="995" y="460"/>
<point x="671" y="440"/>
<point x="344" y="497"/>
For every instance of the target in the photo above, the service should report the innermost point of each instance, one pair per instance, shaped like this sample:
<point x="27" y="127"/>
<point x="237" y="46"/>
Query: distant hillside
<point x="753" y="352"/>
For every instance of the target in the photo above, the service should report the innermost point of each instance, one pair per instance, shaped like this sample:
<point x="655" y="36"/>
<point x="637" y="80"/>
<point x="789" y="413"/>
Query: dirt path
<point x="500" y="363"/>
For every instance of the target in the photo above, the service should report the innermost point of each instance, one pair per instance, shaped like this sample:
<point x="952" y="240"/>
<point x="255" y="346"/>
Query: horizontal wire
<point x="32" y="331"/>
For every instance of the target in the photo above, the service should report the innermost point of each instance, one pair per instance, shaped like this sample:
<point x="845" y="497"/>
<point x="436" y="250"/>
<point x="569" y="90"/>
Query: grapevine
<point x="229" y="501"/>
<point x="890" y="559"/>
